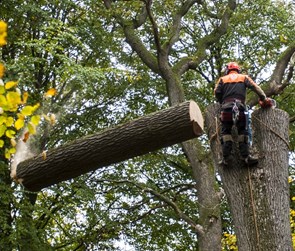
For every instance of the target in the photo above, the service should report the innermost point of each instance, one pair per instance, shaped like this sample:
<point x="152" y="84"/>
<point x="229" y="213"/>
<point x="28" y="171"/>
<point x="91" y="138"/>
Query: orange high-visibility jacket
<point x="234" y="85"/>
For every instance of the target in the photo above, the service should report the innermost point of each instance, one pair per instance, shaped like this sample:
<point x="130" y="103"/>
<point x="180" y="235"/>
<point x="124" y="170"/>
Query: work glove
<point x="266" y="103"/>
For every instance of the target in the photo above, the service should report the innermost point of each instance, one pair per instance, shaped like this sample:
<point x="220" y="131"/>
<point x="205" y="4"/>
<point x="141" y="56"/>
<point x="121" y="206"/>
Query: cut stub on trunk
<point x="140" y="136"/>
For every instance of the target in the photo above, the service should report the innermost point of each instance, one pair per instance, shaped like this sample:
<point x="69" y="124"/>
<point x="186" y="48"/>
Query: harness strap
<point x="236" y="113"/>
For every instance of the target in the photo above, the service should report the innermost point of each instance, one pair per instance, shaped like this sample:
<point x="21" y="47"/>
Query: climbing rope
<point x="273" y="131"/>
<point x="216" y="128"/>
<point x="254" y="210"/>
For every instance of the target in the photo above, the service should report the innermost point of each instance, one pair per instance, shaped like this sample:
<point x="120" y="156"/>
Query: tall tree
<point x="171" y="71"/>
<point x="87" y="51"/>
<point x="158" y="61"/>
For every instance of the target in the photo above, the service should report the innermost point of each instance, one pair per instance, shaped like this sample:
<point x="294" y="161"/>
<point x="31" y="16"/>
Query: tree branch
<point x="197" y="228"/>
<point x="278" y="73"/>
<point x="176" y="26"/>
<point x="154" y="25"/>
<point x="108" y="4"/>
<point x="133" y="40"/>
<point x="192" y="62"/>
<point x="275" y="84"/>
<point x="141" y="18"/>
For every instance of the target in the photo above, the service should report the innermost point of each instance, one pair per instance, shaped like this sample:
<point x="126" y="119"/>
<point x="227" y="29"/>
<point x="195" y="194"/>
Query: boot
<point x="226" y="144"/>
<point x="225" y="160"/>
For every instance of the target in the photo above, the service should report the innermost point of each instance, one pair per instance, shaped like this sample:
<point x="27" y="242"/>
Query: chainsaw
<point x="268" y="103"/>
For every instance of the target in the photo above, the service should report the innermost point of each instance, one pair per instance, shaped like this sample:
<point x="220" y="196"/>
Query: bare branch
<point x="282" y="64"/>
<point x="275" y="84"/>
<point x="141" y="18"/>
<point x="132" y="39"/>
<point x="108" y="3"/>
<point x="197" y="228"/>
<point x="175" y="29"/>
<point x="192" y="62"/>
<point x="154" y="25"/>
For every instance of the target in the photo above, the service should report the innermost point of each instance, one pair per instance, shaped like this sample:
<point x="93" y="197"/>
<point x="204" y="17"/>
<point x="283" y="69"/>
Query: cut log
<point x="149" y="133"/>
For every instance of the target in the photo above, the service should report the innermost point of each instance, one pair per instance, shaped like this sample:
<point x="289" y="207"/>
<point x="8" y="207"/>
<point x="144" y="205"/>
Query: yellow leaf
<point x="35" y="119"/>
<point x="12" y="150"/>
<point x="19" y="123"/>
<point x="35" y="107"/>
<point x="31" y="128"/>
<point x="27" y="110"/>
<point x="13" y="142"/>
<point x="7" y="154"/>
<point x="2" y="89"/>
<point x="3" y="39"/>
<point x="293" y="198"/>
<point x="10" y="133"/>
<point x="3" y="26"/>
<point x="3" y="120"/>
<point x="2" y="70"/>
<point x="46" y="117"/>
<point x="283" y="38"/>
<point x="10" y="84"/>
<point x="25" y="97"/>
<point x="1" y="143"/>
<point x="52" y="119"/>
<point x="13" y="98"/>
<point x="2" y="130"/>
<point x="51" y="92"/>
<point x="9" y="121"/>
<point x="20" y="116"/>
<point x="3" y="101"/>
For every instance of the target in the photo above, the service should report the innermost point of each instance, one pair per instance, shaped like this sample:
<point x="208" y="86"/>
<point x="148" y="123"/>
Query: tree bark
<point x="163" y="128"/>
<point x="258" y="196"/>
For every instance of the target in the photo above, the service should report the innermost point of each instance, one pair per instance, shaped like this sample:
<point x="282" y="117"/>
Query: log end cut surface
<point x="197" y="118"/>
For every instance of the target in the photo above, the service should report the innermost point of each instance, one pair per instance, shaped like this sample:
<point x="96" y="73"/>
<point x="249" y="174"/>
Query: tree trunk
<point x="208" y="198"/>
<point x="258" y="196"/>
<point x="143" y="135"/>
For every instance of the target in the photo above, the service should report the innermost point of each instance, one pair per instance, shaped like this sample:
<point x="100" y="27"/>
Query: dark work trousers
<point x="226" y="130"/>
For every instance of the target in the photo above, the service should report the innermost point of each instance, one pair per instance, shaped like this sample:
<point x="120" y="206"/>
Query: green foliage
<point x="76" y="48"/>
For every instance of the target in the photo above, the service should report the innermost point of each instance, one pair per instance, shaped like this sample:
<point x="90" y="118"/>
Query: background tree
<point x="80" y="49"/>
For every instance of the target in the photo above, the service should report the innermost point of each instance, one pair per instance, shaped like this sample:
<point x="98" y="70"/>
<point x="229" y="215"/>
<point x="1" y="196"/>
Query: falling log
<point x="140" y="136"/>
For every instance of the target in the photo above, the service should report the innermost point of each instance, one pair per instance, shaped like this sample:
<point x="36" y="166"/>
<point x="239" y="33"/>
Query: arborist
<point x="230" y="92"/>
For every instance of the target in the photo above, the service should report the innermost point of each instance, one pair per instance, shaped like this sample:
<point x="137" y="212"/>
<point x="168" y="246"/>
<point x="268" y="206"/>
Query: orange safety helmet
<point x="232" y="66"/>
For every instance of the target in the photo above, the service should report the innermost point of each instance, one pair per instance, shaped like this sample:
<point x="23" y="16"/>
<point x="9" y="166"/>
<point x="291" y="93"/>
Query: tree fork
<point x="140" y="136"/>
<point x="258" y="196"/>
